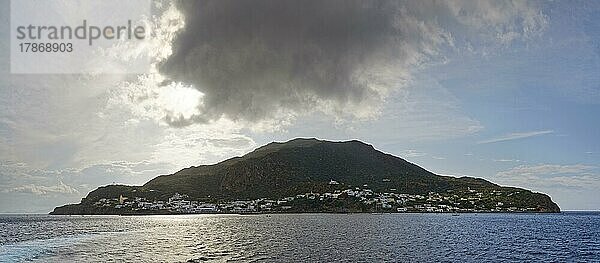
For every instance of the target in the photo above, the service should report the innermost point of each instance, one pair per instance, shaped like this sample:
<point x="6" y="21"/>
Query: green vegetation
<point x="280" y="170"/>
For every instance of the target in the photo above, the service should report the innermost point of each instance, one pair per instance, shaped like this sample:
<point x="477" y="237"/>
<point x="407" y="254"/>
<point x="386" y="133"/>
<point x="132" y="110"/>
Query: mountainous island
<point x="309" y="175"/>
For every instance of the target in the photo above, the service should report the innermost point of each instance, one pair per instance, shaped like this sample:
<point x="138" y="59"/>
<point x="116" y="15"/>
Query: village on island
<point x="362" y="199"/>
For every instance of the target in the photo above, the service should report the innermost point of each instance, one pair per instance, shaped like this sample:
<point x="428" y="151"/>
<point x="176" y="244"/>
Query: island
<point x="309" y="176"/>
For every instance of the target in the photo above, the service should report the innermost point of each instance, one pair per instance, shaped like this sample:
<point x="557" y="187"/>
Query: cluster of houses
<point x="467" y="201"/>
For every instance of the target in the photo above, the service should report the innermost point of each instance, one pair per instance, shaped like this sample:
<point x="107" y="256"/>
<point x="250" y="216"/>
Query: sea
<point x="493" y="237"/>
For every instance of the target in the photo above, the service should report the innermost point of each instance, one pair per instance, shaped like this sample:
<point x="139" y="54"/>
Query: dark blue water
<point x="566" y="237"/>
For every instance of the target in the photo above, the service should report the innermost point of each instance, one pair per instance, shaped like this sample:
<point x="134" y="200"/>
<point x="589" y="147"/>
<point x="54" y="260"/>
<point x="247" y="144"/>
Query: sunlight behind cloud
<point x="179" y="100"/>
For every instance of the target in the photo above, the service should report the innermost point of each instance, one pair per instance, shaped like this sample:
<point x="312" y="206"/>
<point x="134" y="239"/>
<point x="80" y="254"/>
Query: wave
<point x="39" y="249"/>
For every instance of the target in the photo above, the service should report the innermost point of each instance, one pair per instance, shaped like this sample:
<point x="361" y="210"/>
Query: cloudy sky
<point x="507" y="91"/>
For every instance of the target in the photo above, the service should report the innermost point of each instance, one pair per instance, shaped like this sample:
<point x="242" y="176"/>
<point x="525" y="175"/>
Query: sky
<point x="508" y="91"/>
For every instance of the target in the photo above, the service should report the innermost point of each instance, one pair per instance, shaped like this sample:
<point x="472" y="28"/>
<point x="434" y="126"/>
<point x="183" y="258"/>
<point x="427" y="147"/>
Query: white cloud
<point x="44" y="189"/>
<point x="548" y="169"/>
<point x="573" y="186"/>
<point x="501" y="20"/>
<point x="507" y="160"/>
<point x="61" y="188"/>
<point x="413" y="153"/>
<point x="426" y="111"/>
<point x="553" y="175"/>
<point x="516" y="136"/>
<point x="202" y="144"/>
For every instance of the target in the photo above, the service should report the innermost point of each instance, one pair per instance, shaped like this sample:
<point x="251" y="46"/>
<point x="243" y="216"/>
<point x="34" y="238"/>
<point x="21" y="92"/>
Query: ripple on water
<point x="304" y="237"/>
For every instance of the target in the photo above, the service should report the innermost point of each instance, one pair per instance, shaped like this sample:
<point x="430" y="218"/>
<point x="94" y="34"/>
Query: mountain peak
<point x="299" y="143"/>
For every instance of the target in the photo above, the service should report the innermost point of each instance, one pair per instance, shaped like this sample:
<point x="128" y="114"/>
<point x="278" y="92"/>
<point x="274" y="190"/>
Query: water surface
<point x="570" y="236"/>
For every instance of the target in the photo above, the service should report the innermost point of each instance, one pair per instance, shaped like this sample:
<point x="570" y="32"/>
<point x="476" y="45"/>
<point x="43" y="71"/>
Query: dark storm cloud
<point x="253" y="58"/>
<point x="256" y="59"/>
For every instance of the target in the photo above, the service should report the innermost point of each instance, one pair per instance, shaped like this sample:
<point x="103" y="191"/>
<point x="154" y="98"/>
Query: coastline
<point x="324" y="212"/>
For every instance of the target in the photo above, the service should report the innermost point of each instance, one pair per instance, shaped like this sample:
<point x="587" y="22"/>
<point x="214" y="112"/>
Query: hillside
<point x="299" y="166"/>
